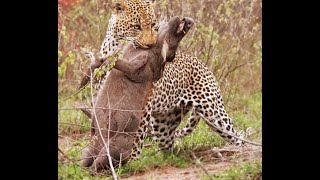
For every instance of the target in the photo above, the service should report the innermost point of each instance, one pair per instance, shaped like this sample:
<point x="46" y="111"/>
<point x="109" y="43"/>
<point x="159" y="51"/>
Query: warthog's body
<point x="124" y="93"/>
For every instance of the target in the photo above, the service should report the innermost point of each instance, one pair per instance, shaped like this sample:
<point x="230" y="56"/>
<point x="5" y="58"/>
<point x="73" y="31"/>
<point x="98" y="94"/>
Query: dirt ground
<point x="215" y="161"/>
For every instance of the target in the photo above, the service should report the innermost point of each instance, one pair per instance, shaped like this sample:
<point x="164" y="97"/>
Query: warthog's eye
<point x="137" y="26"/>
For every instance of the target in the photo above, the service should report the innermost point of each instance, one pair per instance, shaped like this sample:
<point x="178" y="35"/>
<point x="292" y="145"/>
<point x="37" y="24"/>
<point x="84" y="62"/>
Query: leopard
<point x="131" y="21"/>
<point x="187" y="85"/>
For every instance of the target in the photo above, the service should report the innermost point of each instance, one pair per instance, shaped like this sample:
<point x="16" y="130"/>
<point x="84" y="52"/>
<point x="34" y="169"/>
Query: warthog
<point x="123" y="95"/>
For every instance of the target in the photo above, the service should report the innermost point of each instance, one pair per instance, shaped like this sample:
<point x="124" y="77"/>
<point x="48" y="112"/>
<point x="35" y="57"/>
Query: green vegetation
<point x="71" y="121"/>
<point x="250" y="170"/>
<point x="151" y="159"/>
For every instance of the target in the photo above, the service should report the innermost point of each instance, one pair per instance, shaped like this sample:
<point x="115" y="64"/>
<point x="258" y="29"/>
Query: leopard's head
<point x="136" y="21"/>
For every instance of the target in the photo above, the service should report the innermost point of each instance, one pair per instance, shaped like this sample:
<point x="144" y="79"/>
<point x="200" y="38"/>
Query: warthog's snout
<point x="189" y="21"/>
<point x="185" y="24"/>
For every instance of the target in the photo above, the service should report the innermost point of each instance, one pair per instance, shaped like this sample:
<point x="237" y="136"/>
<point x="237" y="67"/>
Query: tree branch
<point x="100" y="133"/>
<point x="199" y="163"/>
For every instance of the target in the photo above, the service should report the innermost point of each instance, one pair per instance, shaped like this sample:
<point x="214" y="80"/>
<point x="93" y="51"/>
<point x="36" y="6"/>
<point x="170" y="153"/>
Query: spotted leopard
<point x="186" y="85"/>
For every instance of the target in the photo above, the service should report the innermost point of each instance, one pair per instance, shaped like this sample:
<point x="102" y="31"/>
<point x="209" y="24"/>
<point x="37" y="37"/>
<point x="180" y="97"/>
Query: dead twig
<point x="199" y="163"/>
<point x="210" y="46"/>
<point x="120" y="132"/>
<point x="148" y="145"/>
<point x="73" y="94"/>
<point x="99" y="130"/>
<point x="80" y="108"/>
<point x="108" y="150"/>
<point x="233" y="69"/>
<point x="59" y="150"/>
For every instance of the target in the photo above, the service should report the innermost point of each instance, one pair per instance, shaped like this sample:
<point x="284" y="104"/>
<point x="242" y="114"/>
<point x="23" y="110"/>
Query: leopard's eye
<point x="137" y="26"/>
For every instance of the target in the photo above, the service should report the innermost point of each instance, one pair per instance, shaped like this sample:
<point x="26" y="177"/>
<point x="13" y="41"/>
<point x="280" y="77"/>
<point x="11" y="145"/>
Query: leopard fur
<point x="186" y="85"/>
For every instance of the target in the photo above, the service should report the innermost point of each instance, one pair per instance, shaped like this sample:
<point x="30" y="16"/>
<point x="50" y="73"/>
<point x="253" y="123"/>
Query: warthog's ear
<point x="164" y="50"/>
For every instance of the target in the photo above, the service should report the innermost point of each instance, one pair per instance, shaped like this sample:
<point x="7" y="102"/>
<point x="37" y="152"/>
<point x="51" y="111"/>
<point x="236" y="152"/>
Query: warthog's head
<point x="170" y="35"/>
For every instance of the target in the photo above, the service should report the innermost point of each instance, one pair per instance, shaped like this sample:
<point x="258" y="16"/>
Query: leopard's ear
<point x="119" y="6"/>
<point x="152" y="2"/>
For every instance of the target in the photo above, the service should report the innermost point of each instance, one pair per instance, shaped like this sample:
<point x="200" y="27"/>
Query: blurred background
<point x="226" y="37"/>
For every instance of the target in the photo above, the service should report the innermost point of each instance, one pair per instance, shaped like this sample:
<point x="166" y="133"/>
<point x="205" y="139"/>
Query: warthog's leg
<point x="87" y="157"/>
<point x="130" y="67"/>
<point x="89" y="154"/>
<point x="102" y="160"/>
<point x="87" y="112"/>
